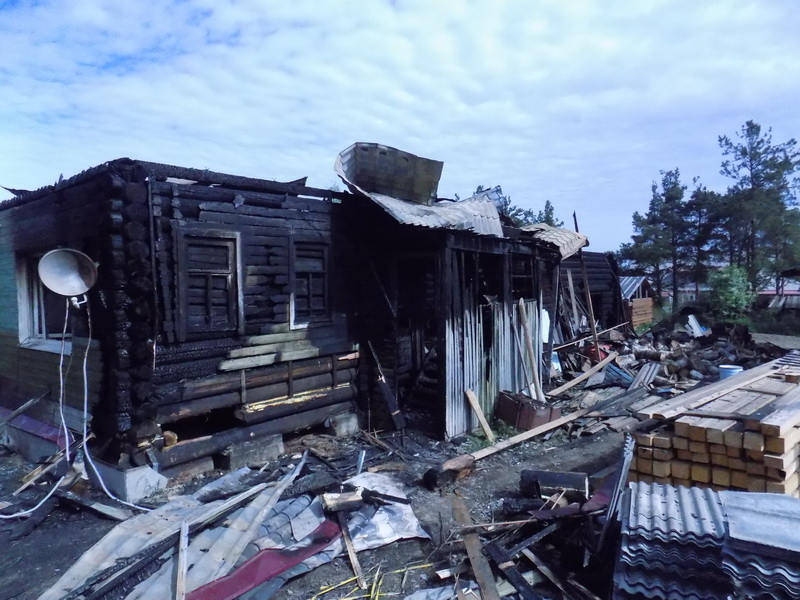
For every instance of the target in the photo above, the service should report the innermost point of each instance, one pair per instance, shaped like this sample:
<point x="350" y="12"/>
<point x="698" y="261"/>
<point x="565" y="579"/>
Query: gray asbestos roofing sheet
<point x="687" y="514"/>
<point x="472" y="214"/>
<point x="768" y="523"/>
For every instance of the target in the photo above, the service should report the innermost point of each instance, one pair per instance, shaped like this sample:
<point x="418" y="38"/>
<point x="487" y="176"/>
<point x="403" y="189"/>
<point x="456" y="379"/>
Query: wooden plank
<point x="782" y="421"/>
<point x="351" y="552"/>
<point x="781" y="445"/>
<point x="473" y="402"/>
<point x="180" y="571"/>
<point x="112" y="512"/>
<point x="783" y="487"/>
<point x="537" y="380"/>
<point x="696" y="398"/>
<point x="270" y="359"/>
<point x="531" y="433"/>
<point x="782" y="461"/>
<point x="472" y="542"/>
<point x="584" y="376"/>
<point x="18" y="411"/>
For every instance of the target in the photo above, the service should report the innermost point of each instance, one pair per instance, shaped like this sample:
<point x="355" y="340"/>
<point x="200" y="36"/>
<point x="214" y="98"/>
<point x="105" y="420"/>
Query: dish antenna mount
<point x="68" y="273"/>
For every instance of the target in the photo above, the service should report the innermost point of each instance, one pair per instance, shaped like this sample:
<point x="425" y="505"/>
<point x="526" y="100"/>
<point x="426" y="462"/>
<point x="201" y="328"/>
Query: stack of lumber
<point x="739" y="433"/>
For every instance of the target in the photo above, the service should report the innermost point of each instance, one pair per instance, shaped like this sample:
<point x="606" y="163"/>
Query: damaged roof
<point x="405" y="186"/>
<point x="629" y="284"/>
<point x="565" y="241"/>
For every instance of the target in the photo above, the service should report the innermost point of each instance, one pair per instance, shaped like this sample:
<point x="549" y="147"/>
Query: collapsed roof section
<point x="565" y="241"/>
<point x="405" y="186"/>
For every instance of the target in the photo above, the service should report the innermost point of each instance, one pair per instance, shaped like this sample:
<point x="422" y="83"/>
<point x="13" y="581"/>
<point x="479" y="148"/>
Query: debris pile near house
<point x="688" y="542"/>
<point x="243" y="535"/>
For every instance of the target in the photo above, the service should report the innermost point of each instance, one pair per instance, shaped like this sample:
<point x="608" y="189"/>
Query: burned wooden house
<point x="602" y="278"/>
<point x="229" y="308"/>
<point x="440" y="286"/>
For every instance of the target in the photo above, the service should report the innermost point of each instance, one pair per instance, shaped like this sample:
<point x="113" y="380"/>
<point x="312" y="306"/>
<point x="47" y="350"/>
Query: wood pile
<point x="739" y="433"/>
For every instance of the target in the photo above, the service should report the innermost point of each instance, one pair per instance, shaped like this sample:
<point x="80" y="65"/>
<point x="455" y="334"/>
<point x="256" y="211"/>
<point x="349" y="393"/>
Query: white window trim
<point x="27" y="339"/>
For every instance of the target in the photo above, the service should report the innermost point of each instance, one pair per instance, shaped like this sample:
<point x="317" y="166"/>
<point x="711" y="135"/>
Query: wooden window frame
<point x="236" y="304"/>
<point x="30" y="294"/>
<point x="305" y="322"/>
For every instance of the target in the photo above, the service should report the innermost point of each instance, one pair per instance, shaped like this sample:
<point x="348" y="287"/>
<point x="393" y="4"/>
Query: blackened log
<point x="213" y="444"/>
<point x="175" y="412"/>
<point x="287" y="406"/>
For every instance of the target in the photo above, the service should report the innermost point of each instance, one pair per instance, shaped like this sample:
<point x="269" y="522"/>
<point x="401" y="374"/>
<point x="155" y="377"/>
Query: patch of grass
<point x="478" y="441"/>
<point x="770" y="321"/>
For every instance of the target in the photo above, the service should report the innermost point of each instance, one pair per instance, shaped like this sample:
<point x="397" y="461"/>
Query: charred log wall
<point x="70" y="215"/>
<point x="263" y="357"/>
<point x="603" y="285"/>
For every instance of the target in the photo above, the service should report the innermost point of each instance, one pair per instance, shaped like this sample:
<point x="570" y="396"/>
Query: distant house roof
<point x="405" y="186"/>
<point x="629" y="284"/>
<point x="567" y="242"/>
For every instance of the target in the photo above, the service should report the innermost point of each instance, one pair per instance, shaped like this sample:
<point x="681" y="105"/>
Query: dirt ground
<point x="28" y="566"/>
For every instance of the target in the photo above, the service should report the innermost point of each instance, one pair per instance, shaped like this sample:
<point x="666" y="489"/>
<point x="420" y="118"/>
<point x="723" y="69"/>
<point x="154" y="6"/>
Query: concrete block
<point x="251" y="453"/>
<point x="344" y="424"/>
<point x="131" y="485"/>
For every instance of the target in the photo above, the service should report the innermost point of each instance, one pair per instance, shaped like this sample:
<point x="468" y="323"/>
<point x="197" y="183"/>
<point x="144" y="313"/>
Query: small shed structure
<point x="638" y="299"/>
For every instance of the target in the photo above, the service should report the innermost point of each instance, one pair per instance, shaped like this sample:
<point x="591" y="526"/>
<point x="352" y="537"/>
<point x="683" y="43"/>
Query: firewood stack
<point x="740" y="433"/>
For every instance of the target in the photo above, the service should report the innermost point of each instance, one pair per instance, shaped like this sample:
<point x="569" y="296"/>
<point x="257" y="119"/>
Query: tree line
<point x="754" y="226"/>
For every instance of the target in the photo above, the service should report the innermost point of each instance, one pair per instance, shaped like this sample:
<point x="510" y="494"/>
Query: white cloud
<point x="581" y="103"/>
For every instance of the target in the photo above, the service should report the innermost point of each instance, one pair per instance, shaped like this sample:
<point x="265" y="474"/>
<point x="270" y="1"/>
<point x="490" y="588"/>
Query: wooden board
<point x="480" y="566"/>
<point x="695" y="398"/>
<point x="473" y="402"/>
<point x="782" y="421"/>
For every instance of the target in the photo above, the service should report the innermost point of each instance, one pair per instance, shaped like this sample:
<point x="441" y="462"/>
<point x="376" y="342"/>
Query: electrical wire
<point x="24" y="513"/>
<point x="61" y="394"/>
<point x="85" y="420"/>
<point x="61" y="378"/>
<point x="86" y="453"/>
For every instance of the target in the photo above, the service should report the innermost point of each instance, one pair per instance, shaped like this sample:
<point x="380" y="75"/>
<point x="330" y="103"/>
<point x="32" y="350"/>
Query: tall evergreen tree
<point x="658" y="243"/>
<point x="757" y="205"/>
<point x="701" y="238"/>
<point x="548" y="216"/>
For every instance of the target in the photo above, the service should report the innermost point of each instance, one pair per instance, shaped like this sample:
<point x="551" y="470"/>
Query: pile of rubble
<point x="558" y="534"/>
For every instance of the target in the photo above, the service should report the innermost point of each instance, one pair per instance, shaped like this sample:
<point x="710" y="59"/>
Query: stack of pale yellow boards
<point x="739" y="433"/>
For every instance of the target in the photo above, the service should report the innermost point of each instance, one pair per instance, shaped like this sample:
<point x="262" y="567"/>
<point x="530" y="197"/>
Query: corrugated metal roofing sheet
<point x="676" y="514"/>
<point x="687" y="542"/>
<point x="473" y="214"/>
<point x="405" y="186"/>
<point x="568" y="242"/>
<point x="629" y="285"/>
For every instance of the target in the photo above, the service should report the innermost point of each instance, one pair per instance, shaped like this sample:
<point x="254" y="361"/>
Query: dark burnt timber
<point x="218" y="297"/>
<point x="231" y="306"/>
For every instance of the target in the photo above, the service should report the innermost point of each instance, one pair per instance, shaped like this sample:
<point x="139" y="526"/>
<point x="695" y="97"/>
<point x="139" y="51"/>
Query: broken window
<point x="42" y="312"/>
<point x="309" y="285"/>
<point x="522" y="276"/>
<point x="208" y="282"/>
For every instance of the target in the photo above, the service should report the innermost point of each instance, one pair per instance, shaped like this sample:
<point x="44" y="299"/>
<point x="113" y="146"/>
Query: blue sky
<point x="580" y="103"/>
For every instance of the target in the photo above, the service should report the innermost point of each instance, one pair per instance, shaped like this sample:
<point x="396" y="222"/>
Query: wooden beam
<point x="181" y="567"/>
<point x="473" y="402"/>
<point x="16" y="412"/>
<point x="480" y="566"/>
<point x="537" y="381"/>
<point x="584" y="376"/>
<point x="531" y="433"/>
<point x="547" y="572"/>
<point x="575" y="321"/>
<point x="351" y="551"/>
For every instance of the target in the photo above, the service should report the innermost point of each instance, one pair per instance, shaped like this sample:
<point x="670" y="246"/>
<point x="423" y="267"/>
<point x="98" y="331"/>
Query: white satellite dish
<point x="67" y="272"/>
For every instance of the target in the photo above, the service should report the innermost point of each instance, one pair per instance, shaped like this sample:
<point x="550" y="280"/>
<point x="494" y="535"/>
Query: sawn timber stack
<point x="739" y="433"/>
